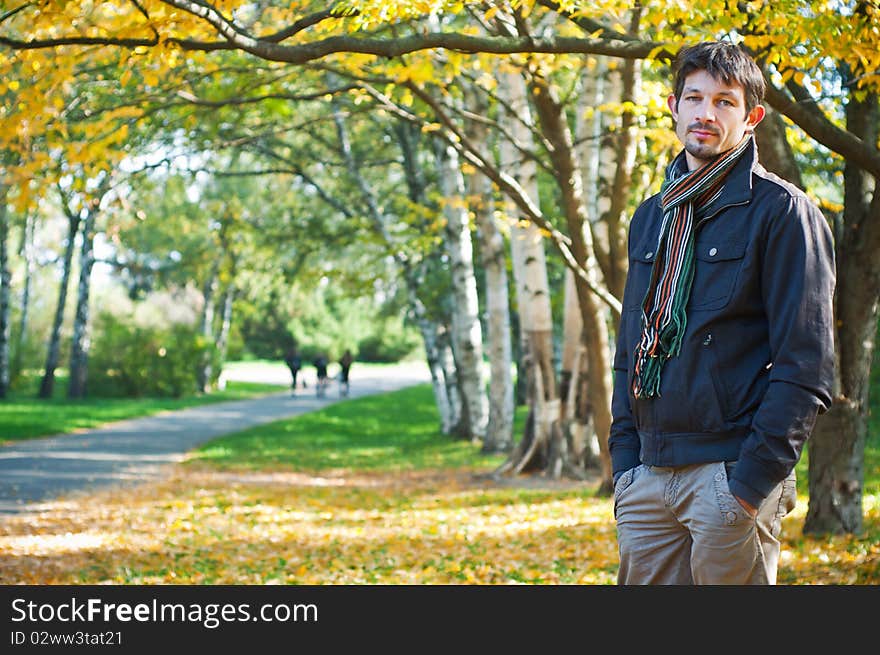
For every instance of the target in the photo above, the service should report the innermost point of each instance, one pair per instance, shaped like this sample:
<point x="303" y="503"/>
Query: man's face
<point x="710" y="117"/>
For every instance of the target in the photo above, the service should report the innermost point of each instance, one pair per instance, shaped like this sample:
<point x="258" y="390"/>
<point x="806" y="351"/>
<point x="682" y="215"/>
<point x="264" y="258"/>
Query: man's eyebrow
<point x="696" y="89"/>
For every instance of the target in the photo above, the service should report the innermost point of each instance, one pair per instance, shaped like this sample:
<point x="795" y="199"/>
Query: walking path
<point x="137" y="450"/>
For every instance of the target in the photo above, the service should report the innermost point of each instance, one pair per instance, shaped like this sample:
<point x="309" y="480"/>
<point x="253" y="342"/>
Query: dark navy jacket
<point x="757" y="361"/>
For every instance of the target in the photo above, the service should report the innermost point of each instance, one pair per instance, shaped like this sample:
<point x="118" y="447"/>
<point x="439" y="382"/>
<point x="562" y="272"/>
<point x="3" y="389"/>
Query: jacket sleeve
<point x="798" y="279"/>
<point x="623" y="441"/>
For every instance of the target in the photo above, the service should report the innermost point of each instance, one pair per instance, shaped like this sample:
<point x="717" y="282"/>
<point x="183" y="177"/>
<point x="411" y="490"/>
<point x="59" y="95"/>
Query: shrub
<point x="133" y="360"/>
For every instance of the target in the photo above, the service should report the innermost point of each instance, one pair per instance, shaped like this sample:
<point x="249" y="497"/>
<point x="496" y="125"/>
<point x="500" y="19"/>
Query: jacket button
<point x="731" y="516"/>
<point x="648" y="255"/>
<point x="713" y="252"/>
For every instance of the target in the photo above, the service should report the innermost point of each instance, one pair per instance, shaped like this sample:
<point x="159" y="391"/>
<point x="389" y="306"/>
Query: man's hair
<point x="724" y="61"/>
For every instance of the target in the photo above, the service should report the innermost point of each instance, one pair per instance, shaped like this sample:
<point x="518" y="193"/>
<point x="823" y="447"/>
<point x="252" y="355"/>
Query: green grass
<point x="23" y="416"/>
<point x="397" y="431"/>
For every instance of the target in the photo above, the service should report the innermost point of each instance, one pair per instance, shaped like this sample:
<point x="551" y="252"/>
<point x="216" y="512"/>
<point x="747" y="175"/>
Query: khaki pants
<point x="681" y="525"/>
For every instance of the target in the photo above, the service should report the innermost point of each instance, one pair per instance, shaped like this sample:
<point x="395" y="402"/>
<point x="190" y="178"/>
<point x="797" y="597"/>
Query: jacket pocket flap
<point x="719" y="251"/>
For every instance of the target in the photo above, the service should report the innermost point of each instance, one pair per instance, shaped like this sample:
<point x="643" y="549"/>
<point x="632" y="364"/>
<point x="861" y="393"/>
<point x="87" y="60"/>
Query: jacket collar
<point x="737" y="188"/>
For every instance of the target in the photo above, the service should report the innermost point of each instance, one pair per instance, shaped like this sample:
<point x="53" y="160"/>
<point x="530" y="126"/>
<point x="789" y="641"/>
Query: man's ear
<point x="672" y="103"/>
<point x="755" y="116"/>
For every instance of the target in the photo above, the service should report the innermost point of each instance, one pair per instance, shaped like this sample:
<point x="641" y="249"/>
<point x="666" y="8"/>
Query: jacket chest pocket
<point x="641" y="264"/>
<point x="717" y="266"/>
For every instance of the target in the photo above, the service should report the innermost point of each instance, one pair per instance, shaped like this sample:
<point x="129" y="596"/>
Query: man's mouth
<point x="702" y="132"/>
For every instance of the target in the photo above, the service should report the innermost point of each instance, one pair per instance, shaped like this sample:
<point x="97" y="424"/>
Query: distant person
<point x="294" y="363"/>
<point x="320" y="365"/>
<point x="345" y="365"/>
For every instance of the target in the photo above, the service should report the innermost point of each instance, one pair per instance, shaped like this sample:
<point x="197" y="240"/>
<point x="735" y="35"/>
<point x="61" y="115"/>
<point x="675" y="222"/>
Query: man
<point x="344" y="368"/>
<point x="294" y="363"/>
<point x="725" y="349"/>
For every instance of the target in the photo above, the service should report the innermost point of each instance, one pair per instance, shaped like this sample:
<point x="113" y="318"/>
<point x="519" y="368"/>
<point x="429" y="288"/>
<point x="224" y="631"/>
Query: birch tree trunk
<point x="447" y="405"/>
<point x="467" y="337"/>
<point x="576" y="414"/>
<point x="616" y="218"/>
<point x="446" y="397"/>
<point x="47" y="386"/>
<point x="79" y="348"/>
<point x="5" y="293"/>
<point x="591" y="127"/>
<point x="499" y="429"/>
<point x="533" y="451"/>
<point x="27" y="254"/>
<point x="206" y="327"/>
<point x="556" y="130"/>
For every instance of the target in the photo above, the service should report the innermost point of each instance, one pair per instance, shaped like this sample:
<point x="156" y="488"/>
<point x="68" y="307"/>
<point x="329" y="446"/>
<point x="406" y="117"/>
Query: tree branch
<point x="810" y="117"/>
<point x="9" y="14"/>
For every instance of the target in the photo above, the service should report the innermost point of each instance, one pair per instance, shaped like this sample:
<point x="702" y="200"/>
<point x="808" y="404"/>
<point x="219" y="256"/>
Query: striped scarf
<point x="683" y="198"/>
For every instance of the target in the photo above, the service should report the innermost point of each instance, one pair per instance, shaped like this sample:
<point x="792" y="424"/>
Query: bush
<point x="132" y="360"/>
<point x="389" y="346"/>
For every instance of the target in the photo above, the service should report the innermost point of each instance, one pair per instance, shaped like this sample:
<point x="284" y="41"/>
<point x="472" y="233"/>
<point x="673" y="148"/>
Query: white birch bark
<point x="5" y="293"/>
<point x="445" y="398"/>
<point x="209" y="293"/>
<point x="467" y="337"/>
<point x="27" y="254"/>
<point x="434" y="356"/>
<point x="499" y="430"/>
<point x="532" y="289"/>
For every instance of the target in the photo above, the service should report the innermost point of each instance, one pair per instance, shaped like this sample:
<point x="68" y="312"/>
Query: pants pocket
<point x="623" y="483"/>
<point x="786" y="504"/>
<point x="732" y="512"/>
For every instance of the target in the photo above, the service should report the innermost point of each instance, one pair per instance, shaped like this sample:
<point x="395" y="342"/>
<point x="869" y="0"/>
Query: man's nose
<point x="705" y="112"/>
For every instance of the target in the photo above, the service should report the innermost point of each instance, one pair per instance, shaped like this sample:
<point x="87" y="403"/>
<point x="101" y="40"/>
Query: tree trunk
<point x="499" y="428"/>
<point x="27" y="254"/>
<point x="467" y="336"/>
<point x="625" y="143"/>
<point x="534" y="450"/>
<point x="590" y="126"/>
<point x="774" y="151"/>
<point x="222" y="340"/>
<point x="79" y="348"/>
<point x="458" y="409"/>
<point x="205" y="370"/>
<point x="593" y="314"/>
<point x="837" y="446"/>
<point x="5" y="293"/>
<point x="47" y="386"/>
<point x="836" y="470"/>
<point x="574" y="390"/>
<point x="434" y="355"/>
<point x="447" y="402"/>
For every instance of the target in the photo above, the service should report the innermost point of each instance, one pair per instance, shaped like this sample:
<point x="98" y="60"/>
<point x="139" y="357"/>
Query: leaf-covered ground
<point x="201" y="526"/>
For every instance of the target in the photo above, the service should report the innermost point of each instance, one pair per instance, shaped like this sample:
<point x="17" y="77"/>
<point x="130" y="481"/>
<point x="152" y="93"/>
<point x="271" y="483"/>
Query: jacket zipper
<point x="718" y="211"/>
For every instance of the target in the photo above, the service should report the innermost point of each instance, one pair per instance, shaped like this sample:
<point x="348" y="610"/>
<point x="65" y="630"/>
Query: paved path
<point x="138" y="450"/>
